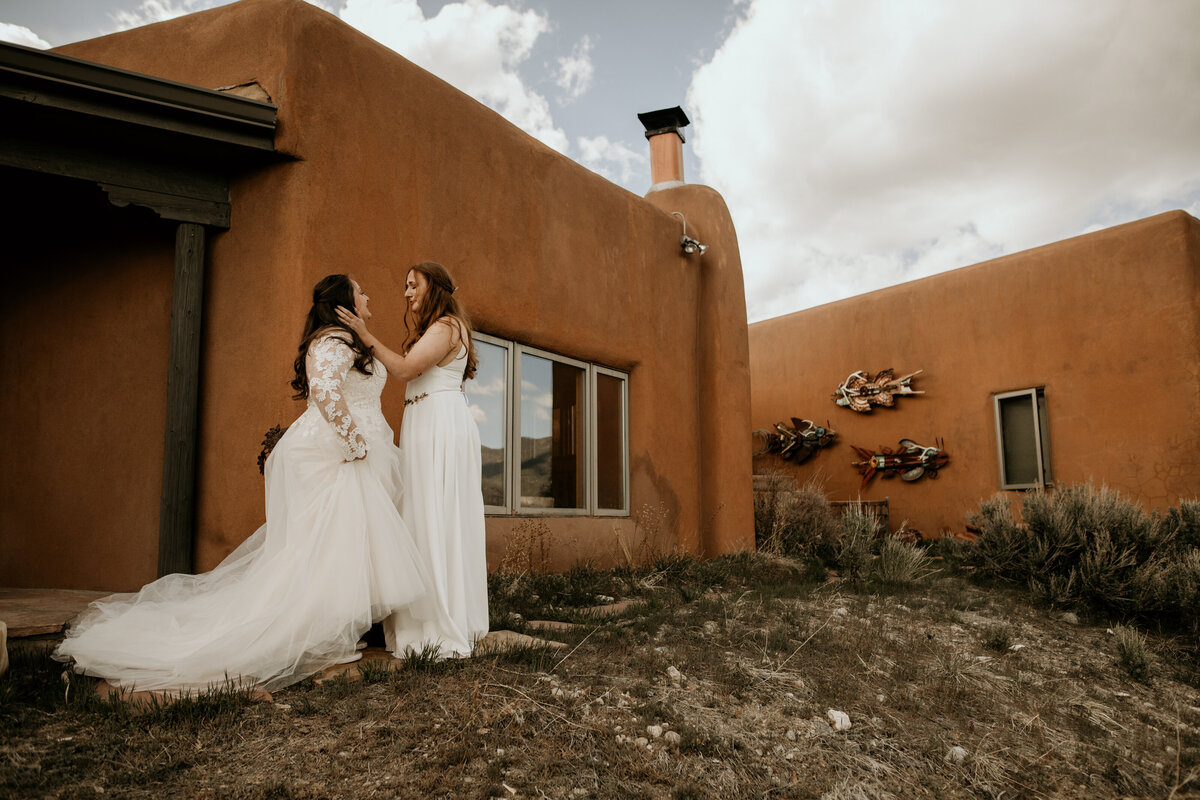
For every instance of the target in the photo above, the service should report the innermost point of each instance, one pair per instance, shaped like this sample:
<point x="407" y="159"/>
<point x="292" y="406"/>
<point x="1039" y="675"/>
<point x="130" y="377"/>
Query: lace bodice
<point x="336" y="390"/>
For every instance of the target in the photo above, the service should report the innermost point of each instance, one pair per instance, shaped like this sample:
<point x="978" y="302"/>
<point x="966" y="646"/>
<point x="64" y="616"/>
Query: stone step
<point x="352" y="671"/>
<point x="499" y="641"/>
<point x="612" y="609"/>
<point x="38" y="612"/>
<point x="551" y="625"/>
<point x="141" y="702"/>
<point x="494" y="642"/>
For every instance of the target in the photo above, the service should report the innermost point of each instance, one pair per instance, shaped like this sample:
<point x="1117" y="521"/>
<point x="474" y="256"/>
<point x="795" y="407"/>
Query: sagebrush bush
<point x="998" y="637"/>
<point x="1181" y="589"/>
<point x="951" y="551"/>
<point x="855" y="547"/>
<point x="900" y="564"/>
<point x="1056" y="591"/>
<point x="1087" y="548"/>
<point x="792" y="521"/>
<point x="1002" y="549"/>
<point x="769" y="490"/>
<point x="1183" y="524"/>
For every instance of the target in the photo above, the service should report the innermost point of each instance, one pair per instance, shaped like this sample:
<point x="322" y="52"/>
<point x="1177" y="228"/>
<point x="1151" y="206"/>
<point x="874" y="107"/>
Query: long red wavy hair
<point x="439" y="301"/>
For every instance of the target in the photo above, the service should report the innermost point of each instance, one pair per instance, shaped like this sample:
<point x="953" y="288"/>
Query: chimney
<point x="666" y="146"/>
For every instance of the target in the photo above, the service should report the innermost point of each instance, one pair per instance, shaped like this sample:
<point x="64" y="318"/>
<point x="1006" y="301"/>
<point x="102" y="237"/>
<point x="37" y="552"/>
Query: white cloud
<point x="475" y="46"/>
<point x="494" y="386"/>
<point x="18" y="34"/>
<point x="863" y="143"/>
<point x="478" y="414"/>
<point x="150" y="11"/>
<point x="613" y="160"/>
<point x="575" y="72"/>
<point x="541" y="404"/>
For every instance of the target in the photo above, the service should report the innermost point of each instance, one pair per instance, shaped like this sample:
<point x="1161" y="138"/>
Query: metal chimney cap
<point x="666" y="120"/>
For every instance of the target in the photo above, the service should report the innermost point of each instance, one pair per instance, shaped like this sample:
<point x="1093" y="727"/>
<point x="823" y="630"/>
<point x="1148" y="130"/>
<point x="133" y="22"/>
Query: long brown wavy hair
<point x="439" y="302"/>
<point x="330" y="293"/>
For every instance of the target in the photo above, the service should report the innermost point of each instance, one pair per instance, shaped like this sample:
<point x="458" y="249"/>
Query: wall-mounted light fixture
<point x="689" y="244"/>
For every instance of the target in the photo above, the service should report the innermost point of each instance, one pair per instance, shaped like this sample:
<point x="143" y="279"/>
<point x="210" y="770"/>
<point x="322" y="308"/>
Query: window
<point x="553" y="445"/>
<point x="611" y="435"/>
<point x="1022" y="439"/>
<point x="554" y="431"/>
<point x="491" y="405"/>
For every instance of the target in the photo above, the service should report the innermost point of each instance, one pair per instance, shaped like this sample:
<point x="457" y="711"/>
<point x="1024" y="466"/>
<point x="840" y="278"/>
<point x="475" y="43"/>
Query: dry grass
<point x="527" y="551"/>
<point x="1131" y="650"/>
<point x="732" y="662"/>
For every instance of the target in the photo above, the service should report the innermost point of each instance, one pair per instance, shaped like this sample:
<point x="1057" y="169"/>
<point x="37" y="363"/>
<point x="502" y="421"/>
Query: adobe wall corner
<point x="723" y="380"/>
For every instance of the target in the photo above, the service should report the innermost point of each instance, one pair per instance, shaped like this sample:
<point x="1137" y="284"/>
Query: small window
<point x="1022" y="439"/>
<point x="491" y="405"/>
<point x="610" y="432"/>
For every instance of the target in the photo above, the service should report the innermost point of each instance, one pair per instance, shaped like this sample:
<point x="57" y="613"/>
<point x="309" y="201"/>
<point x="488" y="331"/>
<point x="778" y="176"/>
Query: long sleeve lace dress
<point x="333" y="557"/>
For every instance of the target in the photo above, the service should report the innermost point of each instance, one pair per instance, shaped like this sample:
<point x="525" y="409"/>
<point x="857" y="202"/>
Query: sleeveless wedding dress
<point x="333" y="557"/>
<point x="443" y="507"/>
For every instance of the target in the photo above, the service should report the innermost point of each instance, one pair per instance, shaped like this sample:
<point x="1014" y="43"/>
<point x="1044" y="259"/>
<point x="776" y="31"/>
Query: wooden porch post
<point x="177" y="511"/>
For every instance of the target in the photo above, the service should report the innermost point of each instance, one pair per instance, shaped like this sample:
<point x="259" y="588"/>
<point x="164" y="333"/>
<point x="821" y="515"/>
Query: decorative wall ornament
<point x="795" y="443"/>
<point x="910" y="461"/>
<point x="860" y="391"/>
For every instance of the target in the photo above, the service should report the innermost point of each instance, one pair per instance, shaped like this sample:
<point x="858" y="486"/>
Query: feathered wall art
<point x="796" y="442"/>
<point x="911" y="461"/>
<point x="860" y="391"/>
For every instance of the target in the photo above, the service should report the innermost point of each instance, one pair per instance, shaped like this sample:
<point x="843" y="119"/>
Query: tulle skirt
<point x="443" y="507"/>
<point x="333" y="557"/>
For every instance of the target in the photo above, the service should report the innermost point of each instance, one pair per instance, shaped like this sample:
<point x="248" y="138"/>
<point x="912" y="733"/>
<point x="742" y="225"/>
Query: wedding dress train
<point x="333" y="556"/>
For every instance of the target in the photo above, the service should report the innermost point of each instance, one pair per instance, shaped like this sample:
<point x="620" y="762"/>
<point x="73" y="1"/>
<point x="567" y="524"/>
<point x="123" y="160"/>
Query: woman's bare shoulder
<point x="452" y="323"/>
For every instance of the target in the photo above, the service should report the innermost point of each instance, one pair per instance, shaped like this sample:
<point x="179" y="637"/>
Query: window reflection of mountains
<point x="535" y="472"/>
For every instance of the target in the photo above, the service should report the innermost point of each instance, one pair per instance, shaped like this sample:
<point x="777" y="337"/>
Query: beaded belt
<point x="418" y="398"/>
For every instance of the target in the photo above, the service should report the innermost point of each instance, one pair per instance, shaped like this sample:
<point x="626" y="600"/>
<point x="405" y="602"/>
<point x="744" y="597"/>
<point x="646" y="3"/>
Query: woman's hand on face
<point x="352" y="321"/>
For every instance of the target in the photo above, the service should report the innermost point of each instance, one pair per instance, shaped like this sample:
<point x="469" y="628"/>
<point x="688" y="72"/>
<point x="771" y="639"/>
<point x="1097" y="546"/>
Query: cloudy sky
<point x="858" y="143"/>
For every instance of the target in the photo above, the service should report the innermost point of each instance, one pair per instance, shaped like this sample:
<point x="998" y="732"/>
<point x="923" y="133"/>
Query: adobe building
<point x="1074" y="362"/>
<point x="183" y="186"/>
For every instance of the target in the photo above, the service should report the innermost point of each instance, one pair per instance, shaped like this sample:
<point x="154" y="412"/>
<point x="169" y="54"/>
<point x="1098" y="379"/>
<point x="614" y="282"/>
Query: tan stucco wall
<point x="394" y="167"/>
<point x="1108" y="323"/>
<point x="722" y="396"/>
<point x="84" y="332"/>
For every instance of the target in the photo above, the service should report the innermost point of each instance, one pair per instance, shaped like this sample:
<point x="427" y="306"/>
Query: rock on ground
<point x="840" y="720"/>
<point x="956" y="755"/>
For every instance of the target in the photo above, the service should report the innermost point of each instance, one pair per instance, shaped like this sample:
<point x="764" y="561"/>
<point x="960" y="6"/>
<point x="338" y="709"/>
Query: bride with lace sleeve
<point x="333" y="557"/>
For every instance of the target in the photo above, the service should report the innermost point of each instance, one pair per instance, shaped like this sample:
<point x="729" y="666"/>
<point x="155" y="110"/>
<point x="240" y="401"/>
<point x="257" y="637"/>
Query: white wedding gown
<point x="333" y="557"/>
<point x="443" y="507"/>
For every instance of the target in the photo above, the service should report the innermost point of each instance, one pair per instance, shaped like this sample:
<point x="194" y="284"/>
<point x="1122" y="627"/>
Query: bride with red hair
<point x="441" y="465"/>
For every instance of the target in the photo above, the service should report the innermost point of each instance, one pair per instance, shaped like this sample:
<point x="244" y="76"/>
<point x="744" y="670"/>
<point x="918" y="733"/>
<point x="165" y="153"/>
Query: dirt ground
<point x="721" y="683"/>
